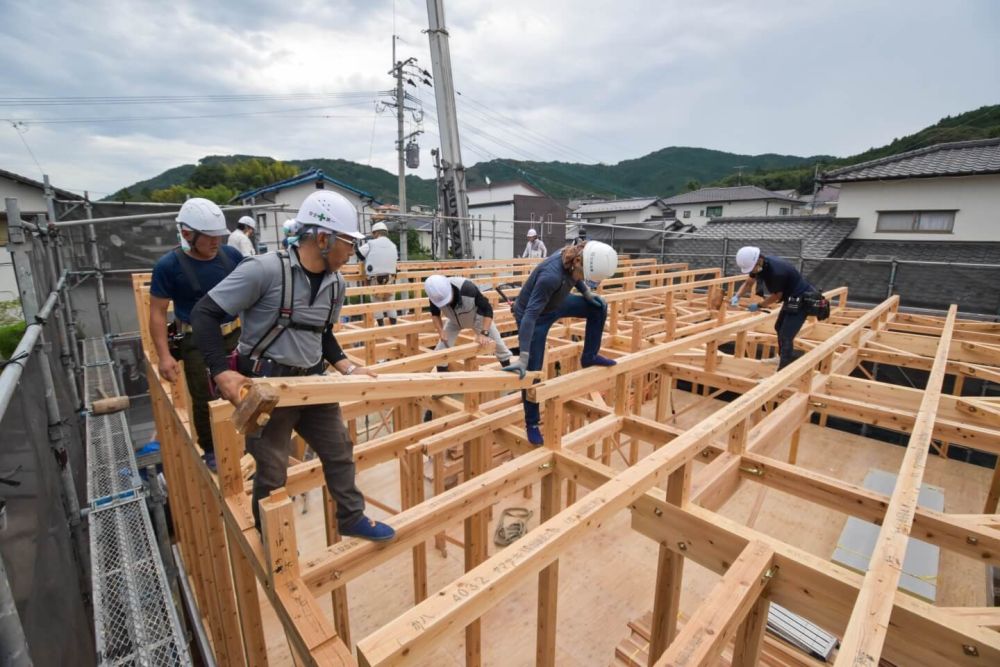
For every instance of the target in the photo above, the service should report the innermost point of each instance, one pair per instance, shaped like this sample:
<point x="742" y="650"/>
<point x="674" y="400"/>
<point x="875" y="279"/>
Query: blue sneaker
<point x="597" y="360"/>
<point x="534" y="435"/>
<point x="209" y="459"/>
<point x="369" y="529"/>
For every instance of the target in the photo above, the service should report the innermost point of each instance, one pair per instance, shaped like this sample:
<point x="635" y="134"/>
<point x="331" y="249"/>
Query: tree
<point x="692" y="185"/>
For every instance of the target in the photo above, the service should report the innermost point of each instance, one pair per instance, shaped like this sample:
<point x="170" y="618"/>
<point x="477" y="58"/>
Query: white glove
<point x="735" y="301"/>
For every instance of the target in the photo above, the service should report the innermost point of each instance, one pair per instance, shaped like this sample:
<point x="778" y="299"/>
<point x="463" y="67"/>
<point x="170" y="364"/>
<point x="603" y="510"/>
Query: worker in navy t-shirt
<point x="183" y="276"/>
<point x="784" y="283"/>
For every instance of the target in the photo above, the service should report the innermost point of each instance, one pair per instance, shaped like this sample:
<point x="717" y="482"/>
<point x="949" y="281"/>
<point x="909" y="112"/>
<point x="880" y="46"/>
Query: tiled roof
<point x="820" y="234"/>
<point x="617" y="205"/>
<point x="958" y="158"/>
<point x="738" y="193"/>
<point x="304" y="177"/>
<point x="24" y="180"/>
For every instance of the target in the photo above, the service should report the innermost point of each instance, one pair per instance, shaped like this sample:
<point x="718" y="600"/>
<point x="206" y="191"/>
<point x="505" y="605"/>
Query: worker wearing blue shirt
<point x="784" y="284"/>
<point x="545" y="298"/>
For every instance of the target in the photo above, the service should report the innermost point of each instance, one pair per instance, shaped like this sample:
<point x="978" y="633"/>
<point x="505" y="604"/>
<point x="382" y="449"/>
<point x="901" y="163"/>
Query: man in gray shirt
<point x="288" y="304"/>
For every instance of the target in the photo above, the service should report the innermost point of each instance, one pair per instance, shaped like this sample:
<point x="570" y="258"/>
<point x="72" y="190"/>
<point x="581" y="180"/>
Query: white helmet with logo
<point x="248" y="221"/>
<point x="331" y="211"/>
<point x="380" y="227"/>
<point x="438" y="290"/>
<point x="600" y="261"/>
<point x="203" y="216"/>
<point x="532" y="233"/>
<point x="746" y="258"/>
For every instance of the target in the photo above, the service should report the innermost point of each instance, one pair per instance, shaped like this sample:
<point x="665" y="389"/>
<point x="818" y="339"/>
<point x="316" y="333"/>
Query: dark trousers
<point x="787" y="327"/>
<point x="572" y="306"/>
<point x="322" y="426"/>
<point x="197" y="378"/>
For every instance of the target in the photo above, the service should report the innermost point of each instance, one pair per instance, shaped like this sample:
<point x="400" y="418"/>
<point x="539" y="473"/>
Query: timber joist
<point x="684" y="461"/>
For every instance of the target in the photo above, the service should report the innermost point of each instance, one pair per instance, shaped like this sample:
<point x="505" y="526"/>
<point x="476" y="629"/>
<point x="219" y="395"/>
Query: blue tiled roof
<point x="305" y="177"/>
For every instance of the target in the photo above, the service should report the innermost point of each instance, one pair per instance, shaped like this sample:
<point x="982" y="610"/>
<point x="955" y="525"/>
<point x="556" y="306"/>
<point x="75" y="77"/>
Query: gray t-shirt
<point x="253" y="291"/>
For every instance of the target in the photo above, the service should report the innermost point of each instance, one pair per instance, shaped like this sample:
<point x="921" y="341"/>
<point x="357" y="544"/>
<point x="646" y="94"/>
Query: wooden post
<point x="669" y="574"/>
<point x="338" y="597"/>
<point x="750" y="636"/>
<point x="548" y="581"/>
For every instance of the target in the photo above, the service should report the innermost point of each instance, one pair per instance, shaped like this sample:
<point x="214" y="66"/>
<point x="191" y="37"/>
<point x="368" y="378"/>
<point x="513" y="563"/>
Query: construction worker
<point x="784" y="283"/>
<point x="184" y="275"/>
<point x="242" y="237"/>
<point x="545" y="298"/>
<point x="288" y="303"/>
<point x="462" y="306"/>
<point x="535" y="247"/>
<point x="581" y="236"/>
<point x="379" y="257"/>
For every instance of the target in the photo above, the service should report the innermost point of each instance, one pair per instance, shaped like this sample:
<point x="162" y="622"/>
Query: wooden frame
<point x="660" y="334"/>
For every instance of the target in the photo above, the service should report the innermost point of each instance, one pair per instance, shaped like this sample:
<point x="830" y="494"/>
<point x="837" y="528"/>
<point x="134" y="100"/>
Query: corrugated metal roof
<point x="957" y="158"/>
<point x="617" y="205"/>
<point x="737" y="193"/>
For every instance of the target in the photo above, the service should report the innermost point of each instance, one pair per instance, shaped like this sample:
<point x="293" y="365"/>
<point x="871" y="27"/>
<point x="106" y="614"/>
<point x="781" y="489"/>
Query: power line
<point x="180" y="99"/>
<point x="17" y="130"/>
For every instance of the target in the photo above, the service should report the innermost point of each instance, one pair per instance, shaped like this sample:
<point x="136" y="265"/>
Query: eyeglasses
<point x="349" y="241"/>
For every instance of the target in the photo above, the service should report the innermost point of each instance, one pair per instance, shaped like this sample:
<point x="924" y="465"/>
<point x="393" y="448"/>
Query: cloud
<point x="571" y="80"/>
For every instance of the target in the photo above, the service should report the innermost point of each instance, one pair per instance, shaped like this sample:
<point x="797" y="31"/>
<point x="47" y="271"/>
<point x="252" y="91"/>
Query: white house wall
<point x="31" y="202"/>
<point x="975" y="198"/>
<point x="482" y="221"/>
<point x="735" y="209"/>
<point x="503" y="192"/>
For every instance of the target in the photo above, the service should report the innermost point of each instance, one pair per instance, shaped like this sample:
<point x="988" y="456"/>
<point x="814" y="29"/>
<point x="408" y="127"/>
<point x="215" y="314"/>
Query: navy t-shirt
<point x="170" y="281"/>
<point x="779" y="275"/>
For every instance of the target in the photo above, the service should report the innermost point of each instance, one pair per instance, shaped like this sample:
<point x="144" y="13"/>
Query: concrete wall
<point x="975" y="198"/>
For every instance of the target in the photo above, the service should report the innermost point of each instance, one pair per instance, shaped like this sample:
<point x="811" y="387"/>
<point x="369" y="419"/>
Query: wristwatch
<point x="485" y="332"/>
<point x="350" y="369"/>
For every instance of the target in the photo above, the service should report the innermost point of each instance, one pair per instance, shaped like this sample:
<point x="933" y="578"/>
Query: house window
<point x="687" y="214"/>
<point x="262" y="220"/>
<point x="702" y="213"/>
<point x="931" y="222"/>
<point x="713" y="212"/>
<point x="783" y="210"/>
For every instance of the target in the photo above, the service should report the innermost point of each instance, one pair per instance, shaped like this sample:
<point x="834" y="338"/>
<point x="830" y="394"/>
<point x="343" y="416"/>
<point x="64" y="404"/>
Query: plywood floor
<point x="608" y="578"/>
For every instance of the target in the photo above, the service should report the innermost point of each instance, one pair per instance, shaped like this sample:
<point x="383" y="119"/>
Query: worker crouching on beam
<point x="288" y="303"/>
<point x="545" y="298"/>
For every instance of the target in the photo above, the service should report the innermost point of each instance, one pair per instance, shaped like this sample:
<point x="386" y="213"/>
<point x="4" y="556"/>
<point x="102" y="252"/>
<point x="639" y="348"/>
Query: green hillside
<point x="982" y="123"/>
<point x="663" y="173"/>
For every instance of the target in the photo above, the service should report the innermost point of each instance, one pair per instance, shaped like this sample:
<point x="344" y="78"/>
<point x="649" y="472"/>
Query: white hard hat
<point x="438" y="290"/>
<point x="203" y="216"/>
<point x="746" y="258"/>
<point x="600" y="261"/>
<point x="330" y="210"/>
<point x="248" y="221"/>
<point x="532" y="232"/>
<point x="380" y="227"/>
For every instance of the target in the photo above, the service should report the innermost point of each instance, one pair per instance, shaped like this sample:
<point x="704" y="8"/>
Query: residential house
<point x="30" y="195"/>
<point x="700" y="206"/>
<point x="946" y="192"/>
<point x="292" y="192"/>
<point x="502" y="213"/>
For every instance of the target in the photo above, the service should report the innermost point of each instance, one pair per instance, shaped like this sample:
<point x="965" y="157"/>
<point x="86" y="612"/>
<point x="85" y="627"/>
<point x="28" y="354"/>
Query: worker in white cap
<point x="184" y="275"/>
<point x="379" y="257"/>
<point x="535" y="247"/>
<point x="545" y="298"/>
<point x="784" y="284"/>
<point x="242" y="237"/>
<point x="288" y="303"/>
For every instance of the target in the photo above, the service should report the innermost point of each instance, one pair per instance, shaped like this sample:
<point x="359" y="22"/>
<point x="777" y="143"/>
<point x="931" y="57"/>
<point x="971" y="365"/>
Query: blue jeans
<point x="572" y="306"/>
<point x="787" y="326"/>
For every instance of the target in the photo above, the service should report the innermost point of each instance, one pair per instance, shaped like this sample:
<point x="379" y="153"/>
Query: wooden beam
<point x="710" y="628"/>
<point x="862" y="644"/>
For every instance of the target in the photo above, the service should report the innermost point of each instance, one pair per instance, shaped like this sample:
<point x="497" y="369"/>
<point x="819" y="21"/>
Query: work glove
<point x="595" y="299"/>
<point x="735" y="301"/>
<point x="520" y="366"/>
<point x="753" y="307"/>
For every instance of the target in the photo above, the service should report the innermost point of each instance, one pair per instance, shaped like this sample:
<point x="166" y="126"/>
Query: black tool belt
<point x="265" y="367"/>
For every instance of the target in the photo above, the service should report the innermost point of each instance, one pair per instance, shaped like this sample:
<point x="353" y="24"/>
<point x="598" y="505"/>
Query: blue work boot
<point x="597" y="360"/>
<point x="369" y="529"/>
<point x="209" y="459"/>
<point x="534" y="435"/>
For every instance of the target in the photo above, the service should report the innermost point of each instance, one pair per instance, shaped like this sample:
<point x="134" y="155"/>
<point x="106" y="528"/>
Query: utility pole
<point x="397" y="68"/>
<point x="444" y="96"/>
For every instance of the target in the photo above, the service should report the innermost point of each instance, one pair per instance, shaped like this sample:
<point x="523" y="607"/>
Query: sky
<point x="570" y="80"/>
